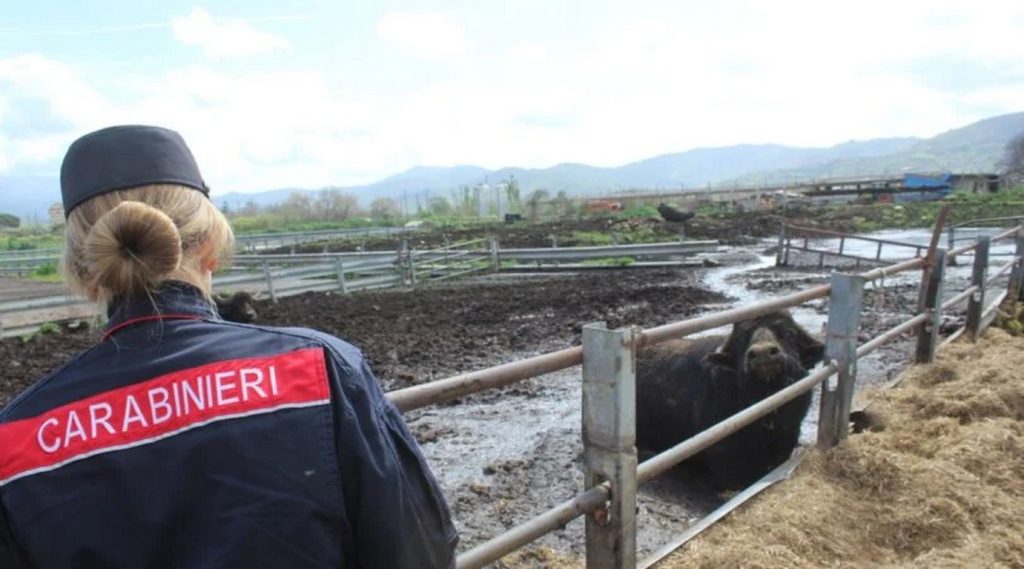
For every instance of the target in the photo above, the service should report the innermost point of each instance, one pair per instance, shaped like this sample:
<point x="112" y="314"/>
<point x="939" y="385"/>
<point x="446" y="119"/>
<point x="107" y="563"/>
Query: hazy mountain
<point x="977" y="147"/>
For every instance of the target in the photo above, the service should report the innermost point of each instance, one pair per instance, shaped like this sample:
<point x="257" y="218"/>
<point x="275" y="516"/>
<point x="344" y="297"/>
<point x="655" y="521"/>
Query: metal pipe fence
<point x="617" y="484"/>
<point x="279" y="275"/>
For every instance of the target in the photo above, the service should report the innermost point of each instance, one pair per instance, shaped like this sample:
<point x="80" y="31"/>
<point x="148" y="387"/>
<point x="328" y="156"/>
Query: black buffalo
<point x="669" y="213"/>
<point x="686" y="386"/>
<point x="239" y="307"/>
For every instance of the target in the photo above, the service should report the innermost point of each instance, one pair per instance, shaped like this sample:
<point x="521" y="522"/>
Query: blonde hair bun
<point x="132" y="248"/>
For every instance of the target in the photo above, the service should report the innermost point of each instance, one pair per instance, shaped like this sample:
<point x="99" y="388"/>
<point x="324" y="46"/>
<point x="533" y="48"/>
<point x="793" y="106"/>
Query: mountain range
<point x="977" y="147"/>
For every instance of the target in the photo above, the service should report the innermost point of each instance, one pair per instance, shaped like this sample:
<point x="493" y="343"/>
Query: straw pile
<point x="941" y="486"/>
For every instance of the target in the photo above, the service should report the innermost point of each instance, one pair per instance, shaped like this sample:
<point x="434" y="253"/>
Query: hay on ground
<point x="941" y="486"/>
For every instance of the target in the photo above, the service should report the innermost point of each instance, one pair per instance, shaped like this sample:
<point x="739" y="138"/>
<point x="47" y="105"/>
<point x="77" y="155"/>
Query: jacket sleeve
<point x="397" y="512"/>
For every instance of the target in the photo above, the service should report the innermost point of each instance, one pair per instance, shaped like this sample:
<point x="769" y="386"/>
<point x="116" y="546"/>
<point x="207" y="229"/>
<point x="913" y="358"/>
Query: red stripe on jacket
<point x="160" y="407"/>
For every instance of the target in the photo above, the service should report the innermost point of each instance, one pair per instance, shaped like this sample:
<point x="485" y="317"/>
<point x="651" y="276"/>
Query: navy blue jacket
<point x="183" y="441"/>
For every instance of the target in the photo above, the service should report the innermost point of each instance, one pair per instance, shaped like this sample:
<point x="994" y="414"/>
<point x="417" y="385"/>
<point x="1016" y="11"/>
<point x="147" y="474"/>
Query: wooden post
<point x="976" y="303"/>
<point x="844" y="306"/>
<point x="340" y="269"/>
<point x="609" y="443"/>
<point x="931" y="297"/>
<point x="1013" y="291"/>
<point x="270" y="281"/>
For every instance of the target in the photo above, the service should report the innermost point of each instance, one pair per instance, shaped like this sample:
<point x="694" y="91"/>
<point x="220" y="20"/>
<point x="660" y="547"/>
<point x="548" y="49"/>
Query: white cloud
<point x="631" y="89"/>
<point x="221" y="39"/>
<point x="42" y="104"/>
<point x="432" y="36"/>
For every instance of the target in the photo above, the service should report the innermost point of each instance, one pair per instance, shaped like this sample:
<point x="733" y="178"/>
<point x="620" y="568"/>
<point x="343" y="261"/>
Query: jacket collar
<point x="174" y="299"/>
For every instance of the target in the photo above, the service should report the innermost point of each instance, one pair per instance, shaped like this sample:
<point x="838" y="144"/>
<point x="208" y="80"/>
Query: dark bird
<point x="669" y="213"/>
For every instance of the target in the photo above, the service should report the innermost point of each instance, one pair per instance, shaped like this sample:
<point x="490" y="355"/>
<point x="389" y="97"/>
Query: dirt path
<point x="941" y="486"/>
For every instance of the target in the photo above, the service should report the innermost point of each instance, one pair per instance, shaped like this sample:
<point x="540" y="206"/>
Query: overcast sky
<point x="284" y="94"/>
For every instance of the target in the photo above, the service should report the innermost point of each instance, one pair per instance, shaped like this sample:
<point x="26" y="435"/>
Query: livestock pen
<point x="608" y="358"/>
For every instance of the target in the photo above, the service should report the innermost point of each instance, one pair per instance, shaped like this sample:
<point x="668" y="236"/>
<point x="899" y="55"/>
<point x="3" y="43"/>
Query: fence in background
<point x="608" y="358"/>
<point x="971" y="230"/>
<point x="279" y="275"/>
<point x="263" y="241"/>
<point x="797" y="238"/>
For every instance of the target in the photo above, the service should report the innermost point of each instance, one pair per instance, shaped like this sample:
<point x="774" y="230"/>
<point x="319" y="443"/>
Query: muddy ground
<point x="504" y="457"/>
<point x="416" y="336"/>
<point x="501" y="456"/>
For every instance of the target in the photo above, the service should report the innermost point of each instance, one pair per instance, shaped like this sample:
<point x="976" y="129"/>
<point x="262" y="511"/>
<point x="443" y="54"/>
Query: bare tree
<point x="440" y="206"/>
<point x="384" y="208"/>
<point x="334" y="205"/>
<point x="535" y="201"/>
<point x="1013" y="161"/>
<point x="297" y="206"/>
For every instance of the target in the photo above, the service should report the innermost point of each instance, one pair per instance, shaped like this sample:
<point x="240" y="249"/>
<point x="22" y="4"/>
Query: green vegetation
<point x="46" y="273"/>
<point x="269" y="223"/>
<point x="9" y="221"/>
<point x="590" y="238"/>
<point x="46" y="328"/>
<point x="636" y="211"/>
<point x="611" y="262"/>
<point x="22" y="240"/>
<point x="963" y="207"/>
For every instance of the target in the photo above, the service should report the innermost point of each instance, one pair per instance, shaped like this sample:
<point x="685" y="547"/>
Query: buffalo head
<point x="239" y="307"/>
<point x="772" y="348"/>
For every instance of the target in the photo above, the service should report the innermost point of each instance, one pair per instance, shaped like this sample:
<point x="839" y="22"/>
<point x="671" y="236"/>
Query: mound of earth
<point x="941" y="486"/>
<point x="430" y="333"/>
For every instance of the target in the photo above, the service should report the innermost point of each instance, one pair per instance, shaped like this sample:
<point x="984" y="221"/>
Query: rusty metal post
<point x="340" y="269"/>
<point x="270" y="281"/>
<point x="1013" y="291"/>
<point x="609" y="443"/>
<point x="844" y="306"/>
<point x="932" y="289"/>
<point x="976" y="303"/>
<point x="952" y="245"/>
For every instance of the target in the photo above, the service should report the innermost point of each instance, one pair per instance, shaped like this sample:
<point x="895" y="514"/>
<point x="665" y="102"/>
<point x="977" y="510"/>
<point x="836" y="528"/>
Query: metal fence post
<point x="844" y="306"/>
<point x="340" y="269"/>
<point x="270" y="281"/>
<point x="609" y="443"/>
<point x="782" y="244"/>
<point x="412" y="266"/>
<point x="931" y="297"/>
<point x="495" y="263"/>
<point x="1013" y="291"/>
<point x="976" y="303"/>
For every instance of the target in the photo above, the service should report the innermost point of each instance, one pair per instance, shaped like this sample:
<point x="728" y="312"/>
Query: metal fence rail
<point x="281" y="275"/>
<point x="260" y="241"/>
<point x="845" y="302"/>
<point x="789" y="233"/>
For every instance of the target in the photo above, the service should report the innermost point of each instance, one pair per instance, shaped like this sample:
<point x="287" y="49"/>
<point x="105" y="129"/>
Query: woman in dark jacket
<point x="184" y="441"/>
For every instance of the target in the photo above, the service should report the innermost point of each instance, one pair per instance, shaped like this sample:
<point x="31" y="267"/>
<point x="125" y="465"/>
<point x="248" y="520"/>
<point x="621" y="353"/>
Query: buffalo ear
<point x="719" y="359"/>
<point x="811" y="352"/>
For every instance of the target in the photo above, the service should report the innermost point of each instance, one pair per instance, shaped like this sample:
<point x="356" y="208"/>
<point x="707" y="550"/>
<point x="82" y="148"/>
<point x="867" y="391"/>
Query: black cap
<point x="122" y="157"/>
